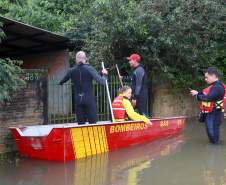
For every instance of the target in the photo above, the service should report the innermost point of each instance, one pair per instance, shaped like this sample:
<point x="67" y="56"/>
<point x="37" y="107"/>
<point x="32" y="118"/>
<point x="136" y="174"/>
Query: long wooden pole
<point x="119" y="76"/>
<point x="108" y="94"/>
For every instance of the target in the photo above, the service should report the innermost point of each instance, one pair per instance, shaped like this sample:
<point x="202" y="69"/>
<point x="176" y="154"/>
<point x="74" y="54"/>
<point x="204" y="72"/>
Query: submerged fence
<point x="61" y="101"/>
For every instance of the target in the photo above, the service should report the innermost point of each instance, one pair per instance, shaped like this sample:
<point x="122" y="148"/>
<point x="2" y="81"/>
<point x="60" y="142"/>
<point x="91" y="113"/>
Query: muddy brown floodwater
<point x="186" y="159"/>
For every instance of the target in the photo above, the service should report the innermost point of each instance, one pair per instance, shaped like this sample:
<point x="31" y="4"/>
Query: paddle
<point x="108" y="94"/>
<point x="119" y="76"/>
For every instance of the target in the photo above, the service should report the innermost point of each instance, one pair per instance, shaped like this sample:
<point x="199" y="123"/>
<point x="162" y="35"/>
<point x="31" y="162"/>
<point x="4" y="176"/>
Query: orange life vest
<point x="118" y="110"/>
<point x="207" y="106"/>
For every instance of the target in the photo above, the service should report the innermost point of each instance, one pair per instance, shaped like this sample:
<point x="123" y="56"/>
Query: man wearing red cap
<point x="139" y="84"/>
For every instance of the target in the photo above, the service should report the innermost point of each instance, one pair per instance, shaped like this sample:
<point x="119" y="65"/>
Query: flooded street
<point x="186" y="159"/>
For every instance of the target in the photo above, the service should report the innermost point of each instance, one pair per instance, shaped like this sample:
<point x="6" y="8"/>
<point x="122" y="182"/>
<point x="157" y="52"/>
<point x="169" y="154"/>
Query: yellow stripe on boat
<point x="100" y="140"/>
<point x="86" y="141"/>
<point x="92" y="142"/>
<point x="78" y="142"/>
<point x="89" y="141"/>
<point x="96" y="139"/>
<point x="106" y="149"/>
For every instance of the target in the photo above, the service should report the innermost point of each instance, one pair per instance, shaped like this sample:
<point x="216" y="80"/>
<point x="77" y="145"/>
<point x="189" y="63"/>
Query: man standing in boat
<point x="139" y="85"/>
<point x="212" y="103"/>
<point x="82" y="76"/>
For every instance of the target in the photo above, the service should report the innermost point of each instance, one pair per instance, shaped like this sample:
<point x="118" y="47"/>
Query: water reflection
<point x="119" y="167"/>
<point x="215" y="171"/>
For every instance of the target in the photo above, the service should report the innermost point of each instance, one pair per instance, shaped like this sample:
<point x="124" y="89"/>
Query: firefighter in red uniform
<point x="123" y="109"/>
<point x="212" y="103"/>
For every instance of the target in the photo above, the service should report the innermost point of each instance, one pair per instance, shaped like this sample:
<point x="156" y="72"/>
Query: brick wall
<point x="27" y="107"/>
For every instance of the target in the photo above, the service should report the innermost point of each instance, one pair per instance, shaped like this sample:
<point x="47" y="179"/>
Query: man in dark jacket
<point x="212" y="103"/>
<point x="82" y="76"/>
<point x="139" y="85"/>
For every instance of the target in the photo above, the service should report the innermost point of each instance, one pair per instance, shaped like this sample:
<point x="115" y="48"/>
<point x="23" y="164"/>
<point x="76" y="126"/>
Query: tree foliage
<point x="54" y="15"/>
<point x="176" y="39"/>
<point x="9" y="76"/>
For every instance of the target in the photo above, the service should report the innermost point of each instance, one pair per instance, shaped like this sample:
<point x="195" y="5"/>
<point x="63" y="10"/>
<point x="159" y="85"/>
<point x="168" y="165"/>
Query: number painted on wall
<point x="34" y="75"/>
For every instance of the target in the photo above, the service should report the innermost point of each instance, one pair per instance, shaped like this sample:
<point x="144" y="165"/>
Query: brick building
<point x="42" y="52"/>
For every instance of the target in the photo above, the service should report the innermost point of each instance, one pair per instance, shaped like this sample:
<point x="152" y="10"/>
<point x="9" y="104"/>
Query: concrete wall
<point x="56" y="62"/>
<point x="166" y="102"/>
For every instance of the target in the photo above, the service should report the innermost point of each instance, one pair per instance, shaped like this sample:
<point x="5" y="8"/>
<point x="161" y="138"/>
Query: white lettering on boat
<point x="127" y="127"/>
<point x="36" y="144"/>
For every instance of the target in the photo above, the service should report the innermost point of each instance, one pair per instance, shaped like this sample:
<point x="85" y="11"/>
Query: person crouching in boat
<point x="123" y="109"/>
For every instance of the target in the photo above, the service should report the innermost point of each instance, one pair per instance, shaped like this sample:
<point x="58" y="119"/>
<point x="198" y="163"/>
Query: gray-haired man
<point x="82" y="76"/>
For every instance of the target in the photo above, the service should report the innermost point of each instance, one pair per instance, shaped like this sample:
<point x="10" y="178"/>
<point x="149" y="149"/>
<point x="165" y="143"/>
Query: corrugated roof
<point x="23" y="39"/>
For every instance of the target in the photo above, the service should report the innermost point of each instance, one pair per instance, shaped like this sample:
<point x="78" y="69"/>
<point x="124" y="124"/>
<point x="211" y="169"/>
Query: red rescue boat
<point x="69" y="141"/>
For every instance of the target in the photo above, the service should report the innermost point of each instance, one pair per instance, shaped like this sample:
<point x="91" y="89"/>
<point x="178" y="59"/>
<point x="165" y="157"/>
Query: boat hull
<point x="67" y="142"/>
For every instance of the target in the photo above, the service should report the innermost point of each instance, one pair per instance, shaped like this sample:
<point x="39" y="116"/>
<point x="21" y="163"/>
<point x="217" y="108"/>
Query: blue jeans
<point x="213" y="122"/>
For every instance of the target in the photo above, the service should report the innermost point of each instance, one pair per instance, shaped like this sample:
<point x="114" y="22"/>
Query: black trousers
<point x="142" y="104"/>
<point x="85" y="109"/>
